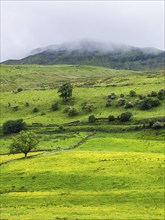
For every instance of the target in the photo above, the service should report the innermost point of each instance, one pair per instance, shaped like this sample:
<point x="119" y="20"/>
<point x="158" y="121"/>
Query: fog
<point x="26" y="25"/>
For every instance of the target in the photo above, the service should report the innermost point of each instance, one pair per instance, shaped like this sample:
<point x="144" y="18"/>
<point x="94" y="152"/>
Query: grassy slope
<point x="105" y="186"/>
<point x="111" y="176"/>
<point x="48" y="76"/>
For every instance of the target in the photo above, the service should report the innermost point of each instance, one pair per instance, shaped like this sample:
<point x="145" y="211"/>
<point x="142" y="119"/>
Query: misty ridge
<point x="90" y="46"/>
<point x="94" y="53"/>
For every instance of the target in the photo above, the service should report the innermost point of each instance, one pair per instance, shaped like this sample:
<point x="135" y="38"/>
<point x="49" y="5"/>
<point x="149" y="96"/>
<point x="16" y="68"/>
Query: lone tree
<point x="24" y="142"/>
<point x="65" y="91"/>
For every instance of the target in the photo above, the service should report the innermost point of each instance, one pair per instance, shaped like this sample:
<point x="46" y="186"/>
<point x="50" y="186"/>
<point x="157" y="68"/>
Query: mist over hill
<point x="88" y="52"/>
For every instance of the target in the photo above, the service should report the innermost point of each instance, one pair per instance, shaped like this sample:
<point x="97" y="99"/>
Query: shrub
<point x="132" y="93"/>
<point x="121" y="101"/>
<point x="91" y="119"/>
<point x="157" y="125"/>
<point x="111" y="118"/>
<point x="55" y="106"/>
<point x="15" y="108"/>
<point x="108" y="103"/>
<point x="141" y="96"/>
<point x="112" y="96"/>
<point x="126" y="116"/>
<point x="87" y="107"/>
<point x="148" y="103"/>
<point x="61" y="128"/>
<point x="121" y="95"/>
<point x="152" y="94"/>
<point x="161" y="94"/>
<point x="19" y="90"/>
<point x="14" y="126"/>
<point x="66" y="110"/>
<point x="35" y="110"/>
<point x="151" y="122"/>
<point x="72" y="112"/>
<point x="128" y="105"/>
<point x="43" y="113"/>
<point x="27" y="104"/>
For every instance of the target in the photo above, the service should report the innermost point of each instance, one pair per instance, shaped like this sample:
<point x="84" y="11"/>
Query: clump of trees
<point x="65" y="91"/>
<point x="14" y="126"/>
<point x="24" y="142"/>
<point x="148" y="103"/>
<point x="125" y="116"/>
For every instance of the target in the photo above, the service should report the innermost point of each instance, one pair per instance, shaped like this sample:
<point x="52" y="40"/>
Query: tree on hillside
<point x="14" y="126"/>
<point x="24" y="142"/>
<point x="65" y="91"/>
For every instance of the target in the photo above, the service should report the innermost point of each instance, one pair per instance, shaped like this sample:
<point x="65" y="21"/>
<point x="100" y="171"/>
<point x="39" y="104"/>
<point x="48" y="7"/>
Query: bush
<point x="121" y="95"/>
<point x="121" y="101"/>
<point x="55" y="106"/>
<point x="35" y="110"/>
<point x="152" y="94"/>
<point x="27" y="104"/>
<point x="111" y="118"/>
<point x="141" y="97"/>
<point x="72" y="112"/>
<point x="132" y="93"/>
<point x="112" y="96"/>
<point x="148" y="103"/>
<point x="161" y="94"/>
<point x="43" y="113"/>
<point x="15" y="108"/>
<point x="87" y="107"/>
<point x="128" y="105"/>
<point x="66" y="110"/>
<point x="61" y="128"/>
<point x="108" y="103"/>
<point x="91" y="119"/>
<point x="14" y="126"/>
<point x="126" y="116"/>
<point x="19" y="90"/>
<point x="157" y="125"/>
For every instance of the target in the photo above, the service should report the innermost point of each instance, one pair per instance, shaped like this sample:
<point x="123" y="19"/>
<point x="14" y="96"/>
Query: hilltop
<point x="87" y="52"/>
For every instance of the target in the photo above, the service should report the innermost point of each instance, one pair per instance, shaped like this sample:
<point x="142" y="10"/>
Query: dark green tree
<point x="91" y="119"/>
<point x="14" y="126"/>
<point x="24" y="142"/>
<point x="65" y="91"/>
<point x="125" y="116"/>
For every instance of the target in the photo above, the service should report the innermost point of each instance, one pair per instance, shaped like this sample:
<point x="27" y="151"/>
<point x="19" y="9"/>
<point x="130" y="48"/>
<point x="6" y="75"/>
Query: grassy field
<point x="117" y="173"/>
<point x="105" y="185"/>
<point x="43" y="100"/>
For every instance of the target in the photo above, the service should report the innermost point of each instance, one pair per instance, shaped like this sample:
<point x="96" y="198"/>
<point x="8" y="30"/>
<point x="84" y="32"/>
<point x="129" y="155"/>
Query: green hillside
<point x="82" y="170"/>
<point x="133" y="60"/>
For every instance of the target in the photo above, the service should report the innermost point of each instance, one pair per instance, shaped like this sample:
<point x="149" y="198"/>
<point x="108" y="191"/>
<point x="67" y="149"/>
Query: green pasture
<point x="118" y="173"/>
<point x="96" y="96"/>
<point x="84" y="185"/>
<point x="140" y="141"/>
<point x="48" y="141"/>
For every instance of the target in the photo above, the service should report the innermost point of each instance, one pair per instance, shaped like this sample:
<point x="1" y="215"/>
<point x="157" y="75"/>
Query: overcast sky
<point x="26" y="25"/>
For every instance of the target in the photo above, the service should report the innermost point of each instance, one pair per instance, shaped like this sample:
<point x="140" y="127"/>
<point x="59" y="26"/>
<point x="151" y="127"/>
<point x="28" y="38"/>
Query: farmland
<point x="82" y="170"/>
